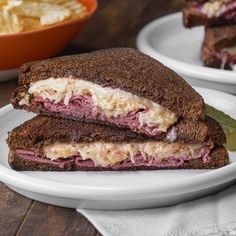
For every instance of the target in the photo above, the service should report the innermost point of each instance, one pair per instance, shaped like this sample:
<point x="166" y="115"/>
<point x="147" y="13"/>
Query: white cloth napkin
<point x="214" y="215"/>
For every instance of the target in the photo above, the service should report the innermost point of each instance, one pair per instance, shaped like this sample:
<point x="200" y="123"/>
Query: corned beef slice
<point x="82" y="107"/>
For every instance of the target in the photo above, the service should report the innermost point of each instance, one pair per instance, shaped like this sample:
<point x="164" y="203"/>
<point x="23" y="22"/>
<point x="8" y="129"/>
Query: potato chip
<point x="76" y="7"/>
<point x="2" y="2"/>
<point x="73" y="5"/>
<point x="23" y="15"/>
<point x="12" y="3"/>
<point x="47" y="13"/>
<point x="9" y="23"/>
<point x="30" y="23"/>
<point x="56" y="2"/>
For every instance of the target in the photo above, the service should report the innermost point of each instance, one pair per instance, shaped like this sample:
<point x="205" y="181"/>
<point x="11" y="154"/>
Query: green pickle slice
<point x="228" y="124"/>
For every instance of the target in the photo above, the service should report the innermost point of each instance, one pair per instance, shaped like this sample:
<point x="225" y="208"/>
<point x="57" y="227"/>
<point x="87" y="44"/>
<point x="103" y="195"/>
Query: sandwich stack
<point x="113" y="109"/>
<point x="219" y="19"/>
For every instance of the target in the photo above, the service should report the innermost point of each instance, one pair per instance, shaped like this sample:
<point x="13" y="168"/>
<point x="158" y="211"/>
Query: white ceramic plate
<point x="179" y="48"/>
<point x="115" y="190"/>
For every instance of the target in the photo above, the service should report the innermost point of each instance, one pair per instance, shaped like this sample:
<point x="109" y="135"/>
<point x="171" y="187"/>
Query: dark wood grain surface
<point x="116" y="23"/>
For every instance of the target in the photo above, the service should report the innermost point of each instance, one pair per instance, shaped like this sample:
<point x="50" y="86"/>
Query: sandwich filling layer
<point x="226" y="55"/>
<point x="219" y="8"/>
<point x="85" y="99"/>
<point x="159" y="154"/>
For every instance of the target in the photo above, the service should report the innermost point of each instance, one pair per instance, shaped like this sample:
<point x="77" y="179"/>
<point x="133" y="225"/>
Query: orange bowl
<point x="19" y="48"/>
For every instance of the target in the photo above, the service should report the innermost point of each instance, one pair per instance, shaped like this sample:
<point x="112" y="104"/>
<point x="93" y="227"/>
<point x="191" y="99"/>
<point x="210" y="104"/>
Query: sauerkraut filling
<point x="87" y="100"/>
<point x="229" y="50"/>
<point x="113" y="154"/>
<point x="219" y="8"/>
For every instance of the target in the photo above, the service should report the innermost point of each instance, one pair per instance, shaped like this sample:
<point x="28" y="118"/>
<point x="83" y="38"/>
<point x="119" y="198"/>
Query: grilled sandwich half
<point x="46" y="143"/>
<point x="118" y="87"/>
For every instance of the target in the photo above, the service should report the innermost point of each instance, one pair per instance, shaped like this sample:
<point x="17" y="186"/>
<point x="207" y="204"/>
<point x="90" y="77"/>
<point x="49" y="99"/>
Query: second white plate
<point x="166" y="40"/>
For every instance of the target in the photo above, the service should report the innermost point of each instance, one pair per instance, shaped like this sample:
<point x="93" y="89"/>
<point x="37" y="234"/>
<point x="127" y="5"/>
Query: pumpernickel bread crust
<point x="219" y="158"/>
<point x="41" y="130"/>
<point x="123" y="68"/>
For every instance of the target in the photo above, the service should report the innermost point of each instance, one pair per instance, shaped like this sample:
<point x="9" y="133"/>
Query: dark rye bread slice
<point x="193" y="17"/>
<point x="126" y="69"/>
<point x="219" y="158"/>
<point x="217" y="38"/>
<point x="43" y="130"/>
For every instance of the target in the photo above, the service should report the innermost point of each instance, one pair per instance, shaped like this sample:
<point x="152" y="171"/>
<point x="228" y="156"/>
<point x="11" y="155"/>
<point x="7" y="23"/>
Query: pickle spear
<point x="228" y="124"/>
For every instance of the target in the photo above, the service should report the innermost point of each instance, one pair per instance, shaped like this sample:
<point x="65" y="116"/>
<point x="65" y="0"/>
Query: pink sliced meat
<point x="230" y="11"/>
<point x="31" y="156"/>
<point x="81" y="106"/>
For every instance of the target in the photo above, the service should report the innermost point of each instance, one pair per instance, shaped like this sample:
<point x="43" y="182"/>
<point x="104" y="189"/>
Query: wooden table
<point x="115" y="24"/>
